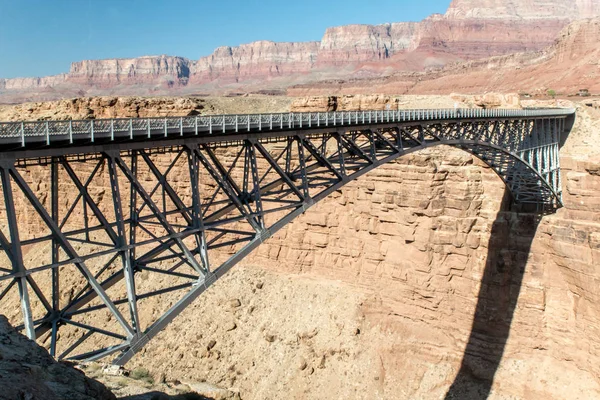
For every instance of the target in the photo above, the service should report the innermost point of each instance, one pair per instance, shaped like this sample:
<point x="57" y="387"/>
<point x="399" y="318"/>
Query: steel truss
<point x="155" y="224"/>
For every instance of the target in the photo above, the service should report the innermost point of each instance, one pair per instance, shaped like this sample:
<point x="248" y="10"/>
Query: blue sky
<point x="42" y="37"/>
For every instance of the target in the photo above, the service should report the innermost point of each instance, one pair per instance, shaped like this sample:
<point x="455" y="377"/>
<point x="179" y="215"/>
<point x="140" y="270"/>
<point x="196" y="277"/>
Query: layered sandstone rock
<point x="358" y="43"/>
<point x="263" y="60"/>
<point x="567" y="66"/>
<point x="159" y="70"/>
<point x="103" y="107"/>
<point x="344" y="103"/>
<point x="470" y="39"/>
<point x="32" y="83"/>
<point x="386" y="102"/>
<point x="140" y="107"/>
<point x="490" y="100"/>
<point x="468" y="31"/>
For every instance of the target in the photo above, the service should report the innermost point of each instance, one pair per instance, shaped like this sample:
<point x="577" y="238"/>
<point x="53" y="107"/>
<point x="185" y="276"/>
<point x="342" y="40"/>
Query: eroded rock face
<point x="344" y="103"/>
<point x="380" y="102"/>
<point x="32" y="83"/>
<point x="491" y="100"/>
<point x="470" y="39"/>
<point x="468" y="31"/>
<point x="358" y="43"/>
<point x="28" y="372"/>
<point x="160" y="70"/>
<point x="257" y="60"/>
<point x="568" y="65"/>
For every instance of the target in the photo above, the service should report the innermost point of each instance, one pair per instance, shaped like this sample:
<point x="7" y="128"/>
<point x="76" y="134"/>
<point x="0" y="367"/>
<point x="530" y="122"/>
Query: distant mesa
<point x="469" y="30"/>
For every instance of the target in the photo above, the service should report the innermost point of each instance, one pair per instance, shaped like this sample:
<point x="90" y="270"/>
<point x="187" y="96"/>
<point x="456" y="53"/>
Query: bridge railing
<point x="136" y="127"/>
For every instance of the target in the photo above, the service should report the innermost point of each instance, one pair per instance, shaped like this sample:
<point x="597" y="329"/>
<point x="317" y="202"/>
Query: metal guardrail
<point x="137" y="127"/>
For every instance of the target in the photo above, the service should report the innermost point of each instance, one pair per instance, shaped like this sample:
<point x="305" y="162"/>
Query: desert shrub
<point x="141" y="374"/>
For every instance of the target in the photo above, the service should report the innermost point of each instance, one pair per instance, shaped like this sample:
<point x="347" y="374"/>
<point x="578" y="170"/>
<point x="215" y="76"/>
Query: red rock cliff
<point x="263" y="59"/>
<point x="156" y="70"/>
<point x="356" y="43"/>
<point x="469" y="30"/>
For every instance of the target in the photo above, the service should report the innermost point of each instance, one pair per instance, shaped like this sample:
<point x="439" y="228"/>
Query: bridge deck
<point x="60" y="134"/>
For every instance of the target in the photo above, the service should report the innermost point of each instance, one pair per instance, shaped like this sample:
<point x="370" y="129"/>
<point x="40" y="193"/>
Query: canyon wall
<point x="257" y="60"/>
<point x="568" y="65"/>
<point x="469" y="30"/>
<point x="410" y="282"/>
<point x="342" y="45"/>
<point x="470" y="39"/>
<point x="32" y="83"/>
<point x="161" y="70"/>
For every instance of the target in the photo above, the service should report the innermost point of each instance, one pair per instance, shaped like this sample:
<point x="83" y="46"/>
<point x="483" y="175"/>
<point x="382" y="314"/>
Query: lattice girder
<point x="162" y="221"/>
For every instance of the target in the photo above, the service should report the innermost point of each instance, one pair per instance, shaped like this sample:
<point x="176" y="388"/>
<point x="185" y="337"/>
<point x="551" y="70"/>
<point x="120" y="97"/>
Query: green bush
<point x="141" y="374"/>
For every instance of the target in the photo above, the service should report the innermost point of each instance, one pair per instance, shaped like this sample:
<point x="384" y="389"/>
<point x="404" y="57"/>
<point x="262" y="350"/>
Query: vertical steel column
<point x="288" y="157"/>
<point x="255" y="179"/>
<point x="133" y="214"/>
<point x="55" y="253"/>
<point x="398" y="137"/>
<point x="126" y="259"/>
<point x="302" y="161"/>
<point x="16" y="253"/>
<point x="197" y="220"/>
<point x="559" y="131"/>
<point x="372" y="148"/>
<point x="340" y="149"/>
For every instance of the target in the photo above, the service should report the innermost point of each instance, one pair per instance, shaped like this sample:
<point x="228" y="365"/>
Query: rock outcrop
<point x="140" y="107"/>
<point x="29" y="372"/>
<point x="385" y="102"/>
<point x="344" y="103"/>
<point x="469" y="39"/>
<point x="103" y="107"/>
<point x="570" y="64"/>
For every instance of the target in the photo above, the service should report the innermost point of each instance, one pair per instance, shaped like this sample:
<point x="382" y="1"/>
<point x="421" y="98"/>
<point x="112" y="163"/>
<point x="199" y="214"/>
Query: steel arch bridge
<point x="95" y="210"/>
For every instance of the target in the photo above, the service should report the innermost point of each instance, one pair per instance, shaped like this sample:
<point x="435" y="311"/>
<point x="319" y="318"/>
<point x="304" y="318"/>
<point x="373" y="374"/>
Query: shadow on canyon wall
<point x="508" y="249"/>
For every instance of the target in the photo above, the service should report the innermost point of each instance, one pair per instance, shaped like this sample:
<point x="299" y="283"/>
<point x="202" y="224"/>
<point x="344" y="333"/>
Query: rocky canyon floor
<point x="415" y="281"/>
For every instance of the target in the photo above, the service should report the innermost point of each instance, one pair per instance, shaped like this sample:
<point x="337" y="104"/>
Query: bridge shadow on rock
<point x="509" y="245"/>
